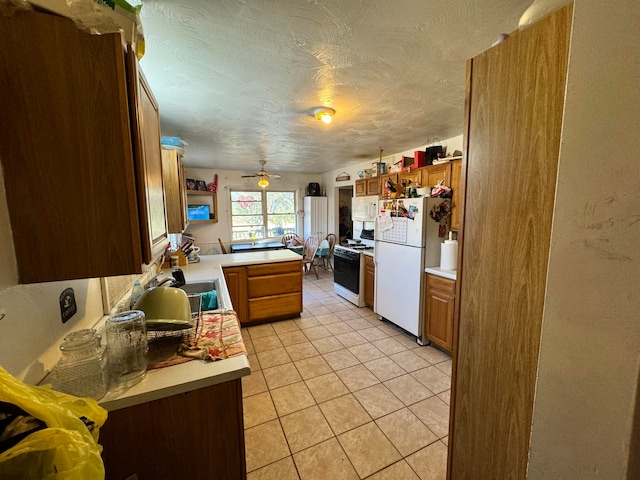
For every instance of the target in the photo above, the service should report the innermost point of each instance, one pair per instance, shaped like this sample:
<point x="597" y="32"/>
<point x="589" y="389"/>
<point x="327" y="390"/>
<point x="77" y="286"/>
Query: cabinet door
<point x="456" y="187"/>
<point x="146" y="135"/>
<point x="432" y="174"/>
<point x="236" y="280"/>
<point x="66" y="149"/>
<point x="174" y="189"/>
<point x="369" y="281"/>
<point x="361" y="188"/>
<point x="182" y="180"/>
<point x="439" y="311"/>
<point x="415" y="177"/>
<point x="373" y="186"/>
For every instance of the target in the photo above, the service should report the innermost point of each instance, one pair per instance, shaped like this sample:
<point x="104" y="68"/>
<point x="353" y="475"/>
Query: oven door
<point x="346" y="271"/>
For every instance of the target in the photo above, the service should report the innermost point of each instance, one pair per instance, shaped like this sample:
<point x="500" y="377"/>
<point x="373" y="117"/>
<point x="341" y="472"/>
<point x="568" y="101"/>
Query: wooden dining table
<point x="255" y="247"/>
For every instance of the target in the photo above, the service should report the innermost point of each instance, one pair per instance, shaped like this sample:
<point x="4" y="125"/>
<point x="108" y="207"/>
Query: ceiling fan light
<point x="263" y="182"/>
<point x="324" y="114"/>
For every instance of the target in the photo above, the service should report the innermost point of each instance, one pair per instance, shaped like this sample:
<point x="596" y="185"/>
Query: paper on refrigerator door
<point x="384" y="221"/>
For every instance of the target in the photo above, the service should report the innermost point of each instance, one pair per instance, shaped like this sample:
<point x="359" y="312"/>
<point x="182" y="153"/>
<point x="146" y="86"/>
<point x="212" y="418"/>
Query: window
<point x="262" y="214"/>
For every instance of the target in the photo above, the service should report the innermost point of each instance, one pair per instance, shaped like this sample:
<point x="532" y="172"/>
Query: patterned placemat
<point x="218" y="337"/>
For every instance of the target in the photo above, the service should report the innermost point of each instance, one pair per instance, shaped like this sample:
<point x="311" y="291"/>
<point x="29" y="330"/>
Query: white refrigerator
<point x="406" y="243"/>
<point x="315" y="217"/>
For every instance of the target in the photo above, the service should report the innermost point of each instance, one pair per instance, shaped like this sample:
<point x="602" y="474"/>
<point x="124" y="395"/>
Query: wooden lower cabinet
<point x="236" y="280"/>
<point x="194" y="435"/>
<point x="263" y="293"/>
<point x="369" y="280"/>
<point x="438" y="325"/>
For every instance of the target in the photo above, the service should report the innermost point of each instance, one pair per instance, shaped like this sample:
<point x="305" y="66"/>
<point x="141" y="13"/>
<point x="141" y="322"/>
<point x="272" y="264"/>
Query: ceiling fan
<point x="264" y="176"/>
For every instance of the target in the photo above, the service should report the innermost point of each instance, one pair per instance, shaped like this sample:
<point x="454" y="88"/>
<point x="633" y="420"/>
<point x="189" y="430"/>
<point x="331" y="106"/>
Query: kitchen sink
<point x="195" y="288"/>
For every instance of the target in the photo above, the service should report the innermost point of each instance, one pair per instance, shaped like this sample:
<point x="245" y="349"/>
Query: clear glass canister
<point x="82" y="370"/>
<point x="128" y="347"/>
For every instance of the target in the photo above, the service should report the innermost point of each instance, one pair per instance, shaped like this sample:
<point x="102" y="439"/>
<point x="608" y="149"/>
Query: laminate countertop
<point x="451" y="274"/>
<point x="195" y="374"/>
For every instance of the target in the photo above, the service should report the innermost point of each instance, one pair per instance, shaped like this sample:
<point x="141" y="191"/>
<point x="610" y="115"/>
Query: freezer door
<point x="399" y="277"/>
<point x="405" y="230"/>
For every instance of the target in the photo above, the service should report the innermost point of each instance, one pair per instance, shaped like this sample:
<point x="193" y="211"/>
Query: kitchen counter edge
<point x="164" y="382"/>
<point x="451" y="274"/>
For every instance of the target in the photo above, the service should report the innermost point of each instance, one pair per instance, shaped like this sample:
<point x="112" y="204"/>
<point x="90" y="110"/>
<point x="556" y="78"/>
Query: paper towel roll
<point x="449" y="254"/>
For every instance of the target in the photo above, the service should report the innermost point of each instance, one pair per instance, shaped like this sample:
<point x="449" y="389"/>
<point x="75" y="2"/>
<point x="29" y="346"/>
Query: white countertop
<point x="370" y="253"/>
<point x="451" y="274"/>
<point x="195" y="374"/>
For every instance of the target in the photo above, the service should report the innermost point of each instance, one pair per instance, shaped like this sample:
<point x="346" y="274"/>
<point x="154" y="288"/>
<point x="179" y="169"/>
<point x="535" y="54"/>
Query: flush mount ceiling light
<point x="324" y="114"/>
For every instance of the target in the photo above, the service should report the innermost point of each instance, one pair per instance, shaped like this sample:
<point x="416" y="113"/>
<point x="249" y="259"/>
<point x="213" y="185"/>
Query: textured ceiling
<point x="237" y="80"/>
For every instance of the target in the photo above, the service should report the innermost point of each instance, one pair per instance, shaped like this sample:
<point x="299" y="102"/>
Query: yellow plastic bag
<point x="67" y="448"/>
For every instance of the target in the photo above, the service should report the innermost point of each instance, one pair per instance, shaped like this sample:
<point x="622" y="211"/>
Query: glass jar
<point x="82" y="370"/>
<point x="128" y="347"/>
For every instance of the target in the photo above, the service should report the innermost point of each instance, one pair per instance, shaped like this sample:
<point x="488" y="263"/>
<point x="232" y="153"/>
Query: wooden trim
<point x="460" y="264"/>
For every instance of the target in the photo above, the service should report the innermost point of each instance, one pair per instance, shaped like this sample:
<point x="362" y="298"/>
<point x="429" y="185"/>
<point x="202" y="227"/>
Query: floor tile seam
<point x="427" y="386"/>
<point x="425" y="423"/>
<point x="277" y="460"/>
<point x="385" y="435"/>
<point x="437" y="439"/>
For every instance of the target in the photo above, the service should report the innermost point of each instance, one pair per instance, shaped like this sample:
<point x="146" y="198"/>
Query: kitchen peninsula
<point x="187" y="419"/>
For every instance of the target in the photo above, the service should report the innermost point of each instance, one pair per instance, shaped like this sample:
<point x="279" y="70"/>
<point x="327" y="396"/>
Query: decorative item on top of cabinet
<point x="367" y="186"/>
<point x="369" y="280"/>
<point x="438" y="325"/>
<point x="175" y="191"/>
<point x="212" y="200"/>
<point x="80" y="152"/>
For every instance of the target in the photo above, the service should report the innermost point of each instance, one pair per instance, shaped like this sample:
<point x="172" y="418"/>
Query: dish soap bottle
<point x="136" y="293"/>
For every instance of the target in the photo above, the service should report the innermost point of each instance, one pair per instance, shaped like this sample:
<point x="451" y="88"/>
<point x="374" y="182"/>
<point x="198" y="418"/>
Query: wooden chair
<point x="326" y="261"/>
<point x="288" y="236"/>
<point x="222" y="247"/>
<point x="309" y="255"/>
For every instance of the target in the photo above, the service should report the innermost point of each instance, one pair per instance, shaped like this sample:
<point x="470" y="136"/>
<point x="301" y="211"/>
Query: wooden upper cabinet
<point x="175" y="191"/>
<point x="145" y="123"/>
<point x="373" y="186"/>
<point x="432" y="174"/>
<point x="367" y="186"/>
<point x="82" y="172"/>
<point x="414" y="177"/>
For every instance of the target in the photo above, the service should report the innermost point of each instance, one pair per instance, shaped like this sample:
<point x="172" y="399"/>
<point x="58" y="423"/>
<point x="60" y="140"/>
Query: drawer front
<point x="275" y="307"/>
<point x="434" y="282"/>
<point x="275" y="268"/>
<point x="274" y="284"/>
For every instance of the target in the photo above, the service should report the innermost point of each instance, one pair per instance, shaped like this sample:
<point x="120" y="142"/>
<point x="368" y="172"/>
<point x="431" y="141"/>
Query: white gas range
<point x="348" y="269"/>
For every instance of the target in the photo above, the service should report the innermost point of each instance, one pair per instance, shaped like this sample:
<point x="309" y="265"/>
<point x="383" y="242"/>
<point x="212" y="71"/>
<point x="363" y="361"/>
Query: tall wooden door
<point x="514" y="104"/>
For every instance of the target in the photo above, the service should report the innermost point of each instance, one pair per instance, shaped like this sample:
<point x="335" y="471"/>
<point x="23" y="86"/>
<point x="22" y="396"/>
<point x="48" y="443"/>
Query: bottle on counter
<point x="136" y="293"/>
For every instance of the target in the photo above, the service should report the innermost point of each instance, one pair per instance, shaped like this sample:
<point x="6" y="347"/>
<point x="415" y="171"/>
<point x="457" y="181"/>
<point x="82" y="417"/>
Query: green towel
<point x="209" y="300"/>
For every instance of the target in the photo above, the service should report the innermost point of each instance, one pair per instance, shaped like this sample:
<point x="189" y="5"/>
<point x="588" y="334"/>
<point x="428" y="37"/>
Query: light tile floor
<point x="339" y="394"/>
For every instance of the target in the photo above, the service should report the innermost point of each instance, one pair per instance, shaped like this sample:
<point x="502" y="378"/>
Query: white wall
<point x="207" y="235"/>
<point x="32" y="322"/>
<point x="332" y="186"/>
<point x="590" y="348"/>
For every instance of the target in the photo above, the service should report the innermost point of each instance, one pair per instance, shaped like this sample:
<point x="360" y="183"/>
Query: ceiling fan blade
<point x="274" y="175"/>
<point x="250" y="176"/>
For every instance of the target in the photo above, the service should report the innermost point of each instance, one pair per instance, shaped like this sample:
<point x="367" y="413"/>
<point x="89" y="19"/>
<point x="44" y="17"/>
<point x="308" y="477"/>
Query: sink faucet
<point x="168" y="279"/>
<point x="177" y="280"/>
